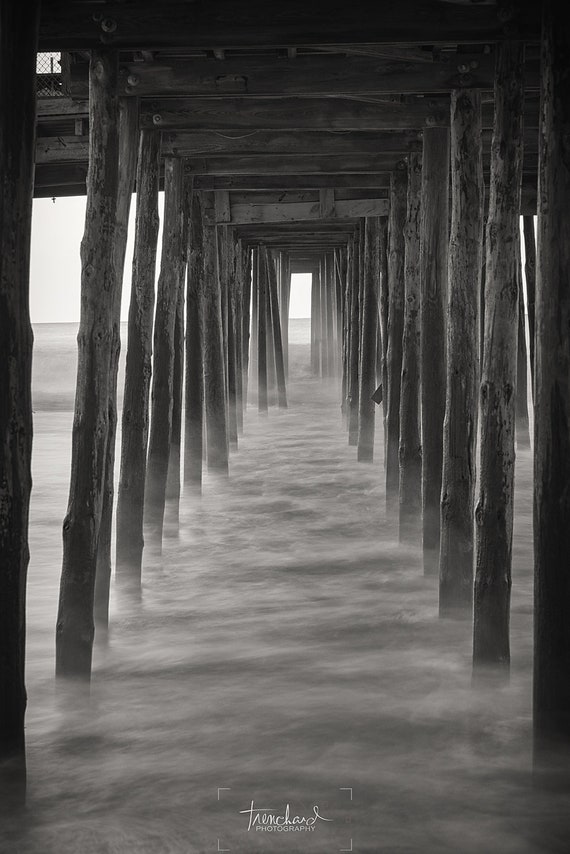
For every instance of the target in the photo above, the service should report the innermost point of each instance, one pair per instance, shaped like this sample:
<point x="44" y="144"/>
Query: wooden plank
<point x="223" y="24"/>
<point x="222" y="206"/>
<point x="326" y="203"/>
<point x="242" y="214"/>
<point x="199" y="143"/>
<point x="295" y="181"/>
<point x="306" y="75"/>
<point x="297" y="165"/>
<point x="48" y="109"/>
<point x="266" y="113"/>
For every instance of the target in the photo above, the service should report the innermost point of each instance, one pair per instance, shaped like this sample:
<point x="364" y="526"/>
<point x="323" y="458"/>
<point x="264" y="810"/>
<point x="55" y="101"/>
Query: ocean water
<point x="286" y="651"/>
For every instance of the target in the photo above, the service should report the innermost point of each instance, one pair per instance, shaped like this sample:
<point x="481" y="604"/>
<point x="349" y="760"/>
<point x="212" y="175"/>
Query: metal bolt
<point x="108" y="25"/>
<point x="157" y="119"/>
<point x="133" y="79"/>
<point x="463" y="68"/>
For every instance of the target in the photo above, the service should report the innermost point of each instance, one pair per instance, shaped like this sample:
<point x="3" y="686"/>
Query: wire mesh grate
<point x="48" y="75"/>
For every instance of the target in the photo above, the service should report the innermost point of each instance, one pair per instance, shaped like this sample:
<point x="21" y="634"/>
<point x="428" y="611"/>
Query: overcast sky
<point x="57" y="229"/>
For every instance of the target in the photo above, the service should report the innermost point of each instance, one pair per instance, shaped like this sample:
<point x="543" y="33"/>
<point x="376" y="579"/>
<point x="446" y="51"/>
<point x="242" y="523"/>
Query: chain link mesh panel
<point x="48" y="75"/>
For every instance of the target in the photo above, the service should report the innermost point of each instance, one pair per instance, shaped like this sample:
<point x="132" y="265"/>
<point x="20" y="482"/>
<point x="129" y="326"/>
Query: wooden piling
<point x="239" y="324"/>
<point x="383" y="320"/>
<point x="353" y="379"/>
<point x="494" y="510"/>
<point x="552" y="404"/>
<point x="253" y="372"/>
<point x="19" y="25"/>
<point x="138" y="370"/>
<point x="315" y="324"/>
<point x="530" y="277"/>
<point x="99" y="282"/>
<point x="276" y="324"/>
<point x="395" y="329"/>
<point x="410" y="451"/>
<point x="194" y="384"/>
<point x="128" y="149"/>
<point x="231" y="286"/>
<point x="366" y="413"/>
<point x="215" y="397"/>
<point x="163" y="356"/>
<point x="247" y="321"/>
<point x="433" y="281"/>
<point x="463" y="359"/>
<point x="262" y="404"/>
<point x="522" y="423"/>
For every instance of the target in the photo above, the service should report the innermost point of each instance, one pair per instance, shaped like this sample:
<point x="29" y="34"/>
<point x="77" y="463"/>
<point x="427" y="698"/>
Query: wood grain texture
<point x="194" y="381"/>
<point x="99" y="283"/>
<point x="552" y="404"/>
<point x="494" y="507"/>
<point x="410" y="451"/>
<point x="463" y="357"/>
<point x="138" y="369"/>
<point x="369" y="326"/>
<point x="433" y="281"/>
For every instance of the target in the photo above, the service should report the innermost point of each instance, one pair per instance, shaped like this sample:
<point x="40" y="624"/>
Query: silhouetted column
<point x="365" y="450"/>
<point x="494" y="511"/>
<point x="194" y="381"/>
<point x="433" y="280"/>
<point x="276" y="325"/>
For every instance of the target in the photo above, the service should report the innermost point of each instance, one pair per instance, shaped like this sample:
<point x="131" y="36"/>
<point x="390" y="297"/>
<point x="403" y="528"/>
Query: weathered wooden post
<point x="315" y="324"/>
<point x="530" y="277"/>
<point x="136" y="399"/>
<point x="353" y="379"/>
<point x="215" y="398"/>
<point x="99" y="282"/>
<point x="128" y="148"/>
<point x="276" y="324"/>
<point x="262" y="405"/>
<point x="239" y="324"/>
<point x="284" y="297"/>
<point x="194" y="382"/>
<point x="494" y="510"/>
<point x="552" y="404"/>
<point x="522" y="424"/>
<point x="410" y="451"/>
<point x="460" y="423"/>
<point x="231" y="287"/>
<point x="365" y="449"/>
<point x="270" y="341"/>
<point x="325" y="368"/>
<point x="19" y="38"/>
<point x="254" y="344"/>
<point x="175" y="456"/>
<point x="433" y="282"/>
<point x="163" y="357"/>
<point x="247" y="320"/>
<point x="346" y="332"/>
<point x="383" y="319"/>
<point x="395" y="329"/>
<point x="330" y="289"/>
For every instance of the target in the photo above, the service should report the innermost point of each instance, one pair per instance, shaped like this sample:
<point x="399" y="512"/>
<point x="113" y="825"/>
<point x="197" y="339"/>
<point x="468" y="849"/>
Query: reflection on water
<point x="287" y="651"/>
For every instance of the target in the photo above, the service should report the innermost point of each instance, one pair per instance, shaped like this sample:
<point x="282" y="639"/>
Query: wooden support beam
<point x="315" y="324"/>
<point x="260" y="164"/>
<point x="222" y="205"/>
<point x="410" y="450"/>
<point x="231" y="298"/>
<point x="552" y="407"/>
<point x="232" y="114"/>
<point x="530" y="279"/>
<point x="369" y="324"/>
<point x="246" y="319"/>
<point x="324" y="74"/>
<point x="283" y="182"/>
<point x="136" y="400"/>
<point x="494" y="510"/>
<point x="169" y="283"/>
<point x="301" y="211"/>
<point x="128" y="149"/>
<point x="396" y="288"/>
<point x="215" y="400"/>
<point x="262" y="402"/>
<point x="326" y="204"/>
<point x="328" y="272"/>
<point x="271" y="271"/>
<point x="522" y="422"/>
<point x="256" y="24"/>
<point x="433" y="281"/>
<point x="463" y="357"/>
<point x="194" y="382"/>
<point x="19" y="36"/>
<point x="75" y="628"/>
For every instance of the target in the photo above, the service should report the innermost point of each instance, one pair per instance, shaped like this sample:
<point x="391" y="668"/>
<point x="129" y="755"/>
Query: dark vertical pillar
<point x="325" y="368"/>
<point x="353" y="379"/>
<point x="99" y="281"/>
<point x="18" y="45"/>
<point x="330" y="289"/>
<point x="136" y="399"/>
<point x="215" y="397"/>
<point x="433" y="280"/>
<point x="530" y="276"/>
<point x="247" y="320"/>
<point x="262" y="404"/>
<point x="271" y="271"/>
<point x="254" y="344"/>
<point x="231" y="287"/>
<point x="365" y="449"/>
<point x="128" y="148"/>
<point x="238" y="321"/>
<point x="410" y="442"/>
<point x="522" y="425"/>
<point x="383" y="285"/>
<point x="194" y="382"/>
<point x="460" y="424"/>
<point x="552" y="403"/>
<point x="395" y="329"/>
<point x="163" y="352"/>
<point x="494" y="511"/>
<point x="315" y="324"/>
